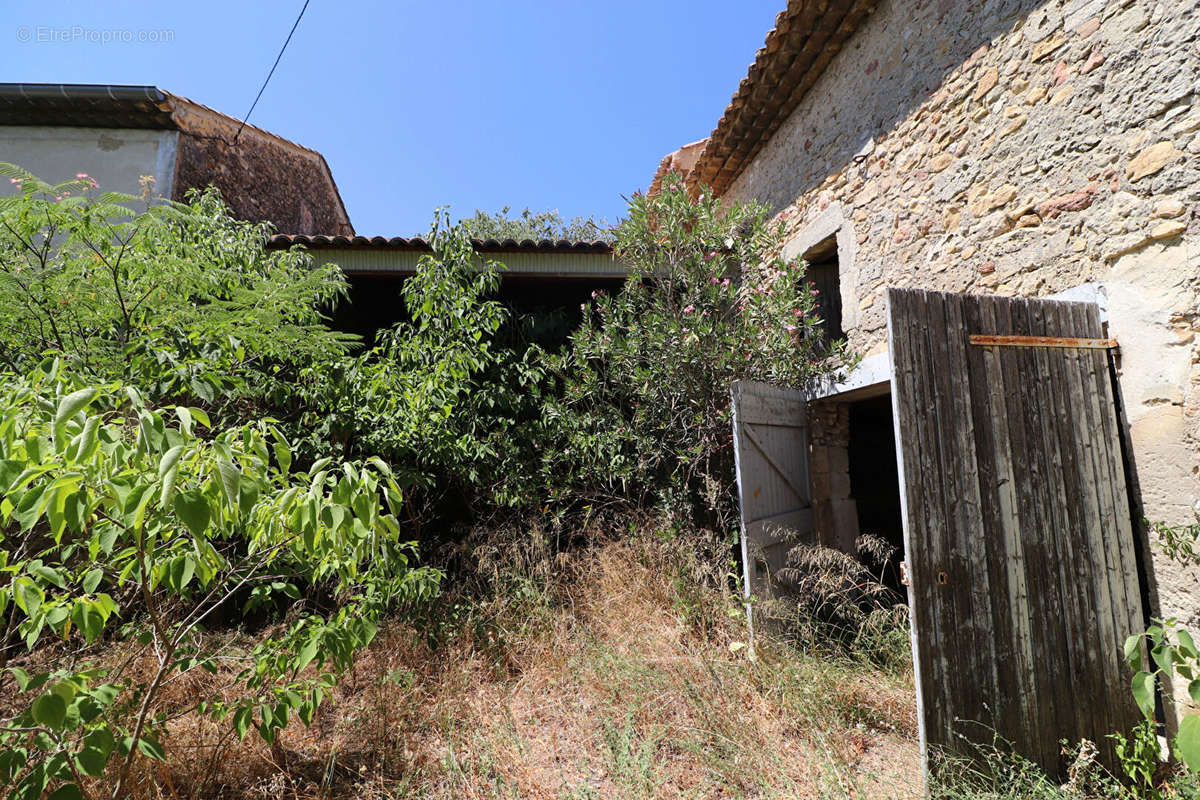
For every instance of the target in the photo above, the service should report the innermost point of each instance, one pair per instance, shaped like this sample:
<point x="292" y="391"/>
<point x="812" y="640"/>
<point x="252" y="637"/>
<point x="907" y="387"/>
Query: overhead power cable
<point x="286" y="42"/>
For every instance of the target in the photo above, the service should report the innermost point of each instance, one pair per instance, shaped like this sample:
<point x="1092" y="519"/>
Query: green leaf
<point x="1187" y="645"/>
<point x="231" y="479"/>
<point x="283" y="455"/>
<point x="1163" y="656"/>
<point x="21" y="676"/>
<point x="48" y="574"/>
<point x="185" y="419"/>
<point x="1143" y="692"/>
<point x="192" y="508"/>
<point x="150" y="748"/>
<point x="92" y="579"/>
<point x="242" y="720"/>
<point x="180" y="572"/>
<point x="28" y="595"/>
<point x="1187" y="742"/>
<point x="1194" y="691"/>
<point x="71" y="405"/>
<point x="50" y="710"/>
<point x="307" y="653"/>
<point x="88" y="619"/>
<point x="169" y="460"/>
<point x="68" y="791"/>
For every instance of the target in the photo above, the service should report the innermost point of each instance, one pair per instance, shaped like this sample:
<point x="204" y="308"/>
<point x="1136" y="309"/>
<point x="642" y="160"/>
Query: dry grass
<point x="612" y="673"/>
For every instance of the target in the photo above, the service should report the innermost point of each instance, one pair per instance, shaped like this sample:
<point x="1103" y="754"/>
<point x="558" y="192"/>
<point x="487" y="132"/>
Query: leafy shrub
<point x="1162" y="652"/>
<point x="1172" y="653"/>
<point x="535" y="225"/>
<point x="642" y="416"/>
<point x="437" y="397"/>
<point x="1180" y="543"/>
<point x="120" y="522"/>
<point x="181" y="300"/>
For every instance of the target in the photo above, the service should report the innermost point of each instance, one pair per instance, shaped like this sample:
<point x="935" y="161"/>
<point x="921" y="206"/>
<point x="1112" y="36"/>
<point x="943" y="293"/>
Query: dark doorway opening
<point x="874" y="479"/>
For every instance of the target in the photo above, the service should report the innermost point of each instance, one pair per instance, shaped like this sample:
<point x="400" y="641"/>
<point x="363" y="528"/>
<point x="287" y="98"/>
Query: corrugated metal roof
<point x="315" y="242"/>
<point x="85" y="105"/>
<point x="517" y="263"/>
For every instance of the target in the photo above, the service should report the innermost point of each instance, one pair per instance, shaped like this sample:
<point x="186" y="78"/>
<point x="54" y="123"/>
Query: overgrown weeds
<point x="611" y="672"/>
<point x="835" y="602"/>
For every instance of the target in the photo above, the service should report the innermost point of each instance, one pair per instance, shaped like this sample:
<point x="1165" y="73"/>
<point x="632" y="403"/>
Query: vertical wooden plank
<point x="1110" y="446"/>
<point x="1047" y="639"/>
<point x="1116" y="539"/>
<point x="966" y="590"/>
<point x="735" y="400"/>
<point x="1064" y="530"/>
<point x="1004" y="559"/>
<point x="937" y="541"/>
<point x="914" y="462"/>
<point x="1084" y="577"/>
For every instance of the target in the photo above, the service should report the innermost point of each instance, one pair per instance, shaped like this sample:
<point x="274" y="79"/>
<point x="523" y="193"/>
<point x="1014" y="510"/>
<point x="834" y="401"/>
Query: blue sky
<point x="563" y="105"/>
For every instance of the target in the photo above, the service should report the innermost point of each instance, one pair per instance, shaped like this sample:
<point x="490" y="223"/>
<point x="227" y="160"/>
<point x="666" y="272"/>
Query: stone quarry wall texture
<point x="1021" y="148"/>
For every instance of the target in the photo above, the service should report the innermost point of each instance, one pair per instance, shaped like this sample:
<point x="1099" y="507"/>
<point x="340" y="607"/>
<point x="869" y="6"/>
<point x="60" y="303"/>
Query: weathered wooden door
<point x="770" y="446"/>
<point x="1018" y="537"/>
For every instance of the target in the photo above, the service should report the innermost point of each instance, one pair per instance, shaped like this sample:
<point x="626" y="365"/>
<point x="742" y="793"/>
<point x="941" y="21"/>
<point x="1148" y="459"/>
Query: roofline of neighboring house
<point x="283" y="241"/>
<point x="806" y="37"/>
<point x="93" y="105"/>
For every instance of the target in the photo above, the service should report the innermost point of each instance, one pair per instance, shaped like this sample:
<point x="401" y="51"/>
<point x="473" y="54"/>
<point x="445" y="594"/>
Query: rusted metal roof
<point x="806" y="37"/>
<point x="416" y="243"/>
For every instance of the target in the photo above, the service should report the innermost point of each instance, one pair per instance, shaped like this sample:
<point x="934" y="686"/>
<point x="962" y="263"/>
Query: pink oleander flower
<point x="714" y="281"/>
<point x="81" y="174"/>
<point x="689" y="308"/>
<point x="814" y="292"/>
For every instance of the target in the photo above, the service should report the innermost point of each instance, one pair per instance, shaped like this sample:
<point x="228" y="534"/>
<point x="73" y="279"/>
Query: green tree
<point x="119" y="521"/>
<point x="643" y="410"/>
<point x="180" y="299"/>
<point x="439" y="397"/>
<point x="535" y="225"/>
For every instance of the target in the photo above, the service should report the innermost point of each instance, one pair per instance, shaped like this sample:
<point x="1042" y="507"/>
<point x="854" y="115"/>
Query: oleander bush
<point x="641" y="411"/>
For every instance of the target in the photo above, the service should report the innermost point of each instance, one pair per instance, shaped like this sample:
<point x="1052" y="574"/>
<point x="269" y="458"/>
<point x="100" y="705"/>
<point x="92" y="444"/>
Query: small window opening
<point x="823" y="275"/>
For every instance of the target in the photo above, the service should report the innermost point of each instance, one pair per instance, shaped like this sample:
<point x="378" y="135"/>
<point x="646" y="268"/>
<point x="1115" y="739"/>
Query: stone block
<point x="1151" y="160"/>
<point x="845" y="524"/>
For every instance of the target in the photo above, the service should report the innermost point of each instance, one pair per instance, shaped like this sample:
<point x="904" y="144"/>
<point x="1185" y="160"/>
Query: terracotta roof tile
<point x="806" y="37"/>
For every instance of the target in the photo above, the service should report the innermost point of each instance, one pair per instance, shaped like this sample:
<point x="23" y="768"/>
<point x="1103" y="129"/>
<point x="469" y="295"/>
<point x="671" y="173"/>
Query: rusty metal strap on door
<point x="989" y="340"/>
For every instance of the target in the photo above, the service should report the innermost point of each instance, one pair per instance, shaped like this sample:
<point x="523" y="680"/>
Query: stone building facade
<point x="1009" y="147"/>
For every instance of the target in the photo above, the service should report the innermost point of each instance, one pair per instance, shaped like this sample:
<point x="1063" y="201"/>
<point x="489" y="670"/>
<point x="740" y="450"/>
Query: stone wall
<point x="1022" y="148"/>
<point x="835" y="514"/>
